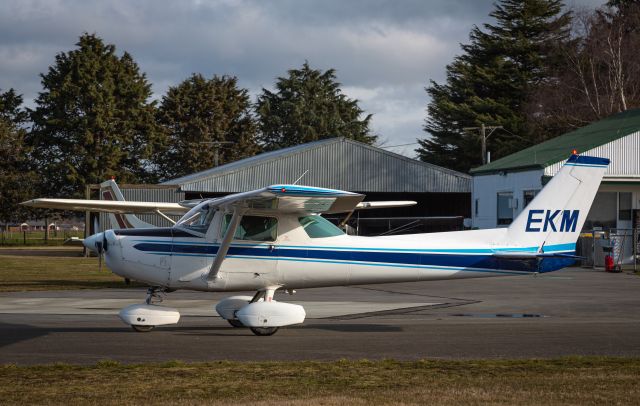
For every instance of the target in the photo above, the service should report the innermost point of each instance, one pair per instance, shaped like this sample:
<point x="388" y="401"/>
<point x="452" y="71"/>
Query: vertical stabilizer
<point x="554" y="219"/>
<point x="109" y="190"/>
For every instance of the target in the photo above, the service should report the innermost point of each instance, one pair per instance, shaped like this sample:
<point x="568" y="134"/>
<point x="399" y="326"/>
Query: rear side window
<point x="253" y="228"/>
<point x="319" y="227"/>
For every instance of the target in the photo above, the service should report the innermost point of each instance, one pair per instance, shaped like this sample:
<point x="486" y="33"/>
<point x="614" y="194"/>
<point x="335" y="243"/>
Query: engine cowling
<point x="227" y="307"/>
<point x="149" y="315"/>
<point x="271" y="314"/>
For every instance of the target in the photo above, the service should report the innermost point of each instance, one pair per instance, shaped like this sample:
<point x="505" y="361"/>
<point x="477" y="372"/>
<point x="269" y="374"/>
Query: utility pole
<point x="484" y="136"/>
<point x="216" y="152"/>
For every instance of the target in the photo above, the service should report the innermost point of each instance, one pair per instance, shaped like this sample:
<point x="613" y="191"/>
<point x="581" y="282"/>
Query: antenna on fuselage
<point x="301" y="176"/>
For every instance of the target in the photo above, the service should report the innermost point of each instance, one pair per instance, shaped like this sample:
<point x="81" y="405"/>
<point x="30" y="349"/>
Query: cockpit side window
<point x="253" y="228"/>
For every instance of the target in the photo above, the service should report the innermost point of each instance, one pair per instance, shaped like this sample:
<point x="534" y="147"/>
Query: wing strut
<point x="224" y="246"/>
<point x="161" y="214"/>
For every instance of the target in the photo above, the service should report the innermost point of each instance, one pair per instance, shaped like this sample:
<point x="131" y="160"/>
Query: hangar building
<point x="340" y="163"/>
<point x="503" y="188"/>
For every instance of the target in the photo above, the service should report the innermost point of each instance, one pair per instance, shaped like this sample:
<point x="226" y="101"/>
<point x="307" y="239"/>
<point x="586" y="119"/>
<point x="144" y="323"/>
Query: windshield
<point x="198" y="218"/>
<point x="319" y="227"/>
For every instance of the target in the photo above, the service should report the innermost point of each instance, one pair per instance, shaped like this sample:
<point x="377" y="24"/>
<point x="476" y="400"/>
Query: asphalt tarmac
<point x="570" y="312"/>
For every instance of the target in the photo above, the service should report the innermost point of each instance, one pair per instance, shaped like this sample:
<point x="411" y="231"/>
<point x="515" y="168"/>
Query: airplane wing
<point x="294" y="199"/>
<point x="107" y="206"/>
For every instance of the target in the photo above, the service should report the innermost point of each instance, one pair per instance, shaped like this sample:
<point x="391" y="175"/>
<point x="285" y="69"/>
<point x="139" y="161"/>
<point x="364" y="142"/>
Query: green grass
<point x="566" y="381"/>
<point x="33" y="238"/>
<point x="25" y="273"/>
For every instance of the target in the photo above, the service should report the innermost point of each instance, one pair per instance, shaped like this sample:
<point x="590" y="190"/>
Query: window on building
<point x="253" y="228"/>
<point x="527" y="197"/>
<point x="603" y="211"/>
<point x="624" y="206"/>
<point x="505" y="208"/>
<point x="477" y="204"/>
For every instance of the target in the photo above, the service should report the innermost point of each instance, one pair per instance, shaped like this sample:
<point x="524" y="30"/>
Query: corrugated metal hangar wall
<point x="337" y="163"/>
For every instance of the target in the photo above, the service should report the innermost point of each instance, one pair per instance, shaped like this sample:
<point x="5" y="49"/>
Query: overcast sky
<point x="385" y="52"/>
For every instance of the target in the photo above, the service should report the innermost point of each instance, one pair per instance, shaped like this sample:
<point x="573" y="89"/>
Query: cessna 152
<point x="274" y="238"/>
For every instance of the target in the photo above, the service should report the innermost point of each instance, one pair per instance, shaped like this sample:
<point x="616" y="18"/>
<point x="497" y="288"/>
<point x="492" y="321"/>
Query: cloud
<point x="384" y="51"/>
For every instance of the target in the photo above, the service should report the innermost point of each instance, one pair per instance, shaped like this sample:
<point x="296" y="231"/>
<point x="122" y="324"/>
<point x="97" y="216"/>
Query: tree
<point x="197" y="114"/>
<point x="93" y="120"/>
<point x="491" y="81"/>
<point x="599" y="73"/>
<point x="11" y="109"/>
<point x="308" y="105"/>
<point x="16" y="177"/>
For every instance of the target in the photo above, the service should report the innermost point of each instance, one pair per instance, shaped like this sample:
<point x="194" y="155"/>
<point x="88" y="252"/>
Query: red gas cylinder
<point x="608" y="263"/>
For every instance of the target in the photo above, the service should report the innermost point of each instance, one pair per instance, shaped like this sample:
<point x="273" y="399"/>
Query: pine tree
<point x="309" y="105"/>
<point x="93" y="120"/>
<point x="11" y="109"/>
<point x="491" y="82"/>
<point x="198" y="113"/>
<point x="16" y="176"/>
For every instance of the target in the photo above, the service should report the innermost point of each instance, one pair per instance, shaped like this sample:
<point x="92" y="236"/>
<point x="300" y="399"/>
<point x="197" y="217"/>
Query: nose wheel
<point x="142" y="329"/>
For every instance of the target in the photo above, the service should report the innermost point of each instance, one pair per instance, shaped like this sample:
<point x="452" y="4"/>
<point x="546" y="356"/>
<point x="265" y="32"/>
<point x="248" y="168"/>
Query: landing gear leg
<point x="155" y="294"/>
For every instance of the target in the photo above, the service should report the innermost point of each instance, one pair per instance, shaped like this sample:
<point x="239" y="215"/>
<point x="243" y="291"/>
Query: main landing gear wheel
<point x="142" y="329"/>
<point x="264" y="331"/>
<point x="235" y="323"/>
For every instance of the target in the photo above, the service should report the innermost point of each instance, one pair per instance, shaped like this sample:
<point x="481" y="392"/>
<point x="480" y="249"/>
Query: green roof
<point x="559" y="148"/>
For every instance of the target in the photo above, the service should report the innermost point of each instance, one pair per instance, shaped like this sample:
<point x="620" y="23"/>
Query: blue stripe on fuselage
<point x="449" y="259"/>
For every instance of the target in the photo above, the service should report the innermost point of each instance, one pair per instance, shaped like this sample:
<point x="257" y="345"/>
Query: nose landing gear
<point x="144" y="317"/>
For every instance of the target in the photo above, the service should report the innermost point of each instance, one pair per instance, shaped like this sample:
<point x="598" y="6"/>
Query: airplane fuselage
<point x="176" y="259"/>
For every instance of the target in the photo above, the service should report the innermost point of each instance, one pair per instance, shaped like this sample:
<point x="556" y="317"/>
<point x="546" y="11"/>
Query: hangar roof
<point x="558" y="149"/>
<point x="336" y="163"/>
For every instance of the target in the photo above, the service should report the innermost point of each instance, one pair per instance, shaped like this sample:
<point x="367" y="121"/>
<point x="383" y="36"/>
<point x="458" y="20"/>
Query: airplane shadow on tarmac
<point x="12" y="333"/>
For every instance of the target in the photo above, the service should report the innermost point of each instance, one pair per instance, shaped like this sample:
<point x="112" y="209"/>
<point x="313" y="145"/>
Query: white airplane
<point x="274" y="238"/>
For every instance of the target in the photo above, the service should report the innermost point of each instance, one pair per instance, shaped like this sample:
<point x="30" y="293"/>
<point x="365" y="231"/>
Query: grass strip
<point x="30" y="273"/>
<point x="566" y="381"/>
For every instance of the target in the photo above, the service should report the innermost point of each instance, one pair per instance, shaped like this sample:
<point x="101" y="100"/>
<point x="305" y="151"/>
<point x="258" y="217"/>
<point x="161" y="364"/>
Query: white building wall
<point x="485" y="194"/>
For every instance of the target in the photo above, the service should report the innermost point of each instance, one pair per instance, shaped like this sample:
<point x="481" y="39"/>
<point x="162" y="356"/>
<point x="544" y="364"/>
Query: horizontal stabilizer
<point x="534" y="255"/>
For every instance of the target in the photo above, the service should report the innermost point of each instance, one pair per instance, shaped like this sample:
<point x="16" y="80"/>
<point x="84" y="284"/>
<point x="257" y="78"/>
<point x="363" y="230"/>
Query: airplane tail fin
<point x="554" y="219"/>
<point x="109" y="190"/>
